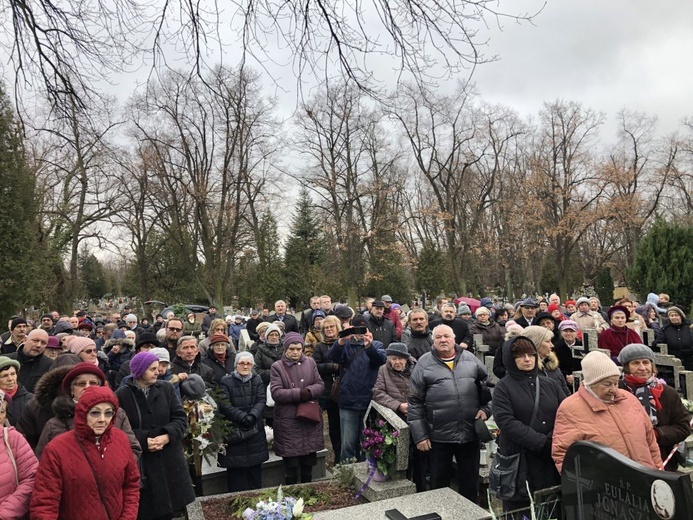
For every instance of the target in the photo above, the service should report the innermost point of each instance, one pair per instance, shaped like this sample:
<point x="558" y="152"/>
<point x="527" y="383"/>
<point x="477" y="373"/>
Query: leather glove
<point x="305" y="394"/>
<point x="248" y="421"/>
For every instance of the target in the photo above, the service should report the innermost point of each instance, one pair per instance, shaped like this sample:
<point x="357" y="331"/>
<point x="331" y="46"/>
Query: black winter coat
<point x="383" y="330"/>
<point x="459" y="327"/>
<point x="326" y="367"/>
<point x="179" y="366"/>
<point x="417" y="343"/>
<point x="265" y="356"/>
<point x="679" y="339"/>
<point x="169" y="486"/>
<point x="244" y="398"/>
<point x="219" y="370"/>
<point x="18" y="405"/>
<point x="32" y="368"/>
<point x="39" y="409"/>
<point x="513" y="403"/>
<point x="290" y="323"/>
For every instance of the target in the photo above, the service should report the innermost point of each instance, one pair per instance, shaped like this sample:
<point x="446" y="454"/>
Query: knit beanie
<point x="316" y="314"/>
<point x="273" y="328"/>
<point x="597" y="366"/>
<point x="463" y="309"/>
<point x="140" y="363"/>
<point x="79" y="343"/>
<point x="78" y="370"/>
<point x="568" y="324"/>
<point x="635" y="351"/>
<point x="553" y="307"/>
<point x="218" y="338"/>
<point x="482" y="310"/>
<point x="291" y="338"/>
<point x="536" y="334"/>
<point x="9" y="362"/>
<point x="16" y="322"/>
<point x="94" y="395"/>
<point x="676" y="310"/>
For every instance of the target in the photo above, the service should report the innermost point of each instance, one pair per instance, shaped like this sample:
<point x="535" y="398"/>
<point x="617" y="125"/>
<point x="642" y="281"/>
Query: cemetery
<point x="597" y="482"/>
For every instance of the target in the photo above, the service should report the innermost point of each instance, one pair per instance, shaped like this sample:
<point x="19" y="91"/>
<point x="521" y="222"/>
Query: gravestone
<point x="488" y="362"/>
<point x="668" y="368"/>
<point x="244" y="341"/>
<point x="589" y="340"/>
<point x="662" y="348"/>
<point x="686" y="384"/>
<point x="397" y="484"/>
<point x="480" y="350"/>
<point x="600" y="483"/>
<point x="648" y="337"/>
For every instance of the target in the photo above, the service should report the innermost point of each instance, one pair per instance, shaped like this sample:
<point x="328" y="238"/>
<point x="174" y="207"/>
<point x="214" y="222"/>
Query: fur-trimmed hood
<point x="127" y="343"/>
<point x="48" y="387"/>
<point x="64" y="407"/>
<point x="550" y="362"/>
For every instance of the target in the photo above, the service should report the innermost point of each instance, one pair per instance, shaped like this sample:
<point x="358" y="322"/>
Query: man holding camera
<point x="359" y="357"/>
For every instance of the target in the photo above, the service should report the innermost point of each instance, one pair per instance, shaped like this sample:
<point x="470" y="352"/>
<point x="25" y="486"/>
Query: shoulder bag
<point x="6" y="437"/>
<point x="508" y="471"/>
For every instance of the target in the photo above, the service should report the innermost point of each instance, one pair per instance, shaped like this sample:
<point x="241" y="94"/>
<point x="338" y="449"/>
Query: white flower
<point x="298" y="508"/>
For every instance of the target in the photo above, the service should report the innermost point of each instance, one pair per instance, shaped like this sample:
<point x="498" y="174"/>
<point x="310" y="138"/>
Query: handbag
<point x="237" y="434"/>
<point x="308" y="411"/>
<point x="270" y="400"/>
<point x="508" y="471"/>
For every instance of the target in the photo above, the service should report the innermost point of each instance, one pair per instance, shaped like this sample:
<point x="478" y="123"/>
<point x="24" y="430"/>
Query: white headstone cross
<point x="403" y="437"/>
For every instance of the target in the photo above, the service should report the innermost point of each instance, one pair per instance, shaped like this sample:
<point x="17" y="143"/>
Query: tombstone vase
<point x="380" y="477"/>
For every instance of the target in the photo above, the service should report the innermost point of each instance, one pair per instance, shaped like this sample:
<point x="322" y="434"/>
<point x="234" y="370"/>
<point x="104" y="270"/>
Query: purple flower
<point x="367" y="431"/>
<point x="395" y="433"/>
<point x="377" y="453"/>
<point x="381" y="423"/>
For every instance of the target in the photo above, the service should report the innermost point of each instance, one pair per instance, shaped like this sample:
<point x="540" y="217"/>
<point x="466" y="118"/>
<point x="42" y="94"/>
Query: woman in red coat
<point x="89" y="472"/>
<point x="618" y="335"/>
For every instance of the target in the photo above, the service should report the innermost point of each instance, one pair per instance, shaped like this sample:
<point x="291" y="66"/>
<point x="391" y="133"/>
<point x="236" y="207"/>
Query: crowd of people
<point x="94" y="419"/>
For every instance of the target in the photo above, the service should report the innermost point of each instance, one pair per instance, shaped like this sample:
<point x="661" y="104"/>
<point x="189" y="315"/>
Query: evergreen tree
<point x="431" y="274"/>
<point x="664" y="263"/>
<point x="270" y="270"/>
<point x="388" y="271"/>
<point x="92" y="274"/>
<point x="304" y="254"/>
<point x="18" y="217"/>
<point x="604" y="286"/>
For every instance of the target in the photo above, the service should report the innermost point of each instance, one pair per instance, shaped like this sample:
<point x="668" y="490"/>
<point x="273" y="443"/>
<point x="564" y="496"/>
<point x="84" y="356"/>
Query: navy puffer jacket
<point x="359" y="370"/>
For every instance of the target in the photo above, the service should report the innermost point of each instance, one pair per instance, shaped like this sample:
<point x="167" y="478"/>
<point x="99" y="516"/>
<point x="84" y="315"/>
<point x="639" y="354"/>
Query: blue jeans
<point x="351" y="425"/>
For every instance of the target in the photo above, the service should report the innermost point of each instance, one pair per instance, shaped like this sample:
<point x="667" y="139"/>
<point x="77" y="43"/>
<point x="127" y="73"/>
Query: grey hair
<point x="244" y="354"/>
<point x="185" y="338"/>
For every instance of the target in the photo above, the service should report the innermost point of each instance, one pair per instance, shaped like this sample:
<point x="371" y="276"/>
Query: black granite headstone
<point x="667" y="373"/>
<point x="601" y="484"/>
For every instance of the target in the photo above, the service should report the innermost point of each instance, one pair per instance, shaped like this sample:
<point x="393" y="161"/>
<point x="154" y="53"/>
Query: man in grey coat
<point x="444" y="401"/>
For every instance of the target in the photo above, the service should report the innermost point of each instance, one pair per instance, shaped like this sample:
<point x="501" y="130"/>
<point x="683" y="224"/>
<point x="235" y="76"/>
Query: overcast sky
<point x="607" y="54"/>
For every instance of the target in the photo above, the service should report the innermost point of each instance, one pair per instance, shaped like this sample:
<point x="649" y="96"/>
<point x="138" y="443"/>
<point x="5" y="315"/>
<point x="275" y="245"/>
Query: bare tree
<point x="66" y="46"/>
<point x="213" y="143"/>
<point x="78" y="181"/>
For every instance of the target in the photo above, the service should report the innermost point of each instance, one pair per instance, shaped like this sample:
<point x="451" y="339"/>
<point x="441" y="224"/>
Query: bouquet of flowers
<point x="379" y="443"/>
<point x="206" y="430"/>
<point x="284" y="508"/>
<point x="269" y="433"/>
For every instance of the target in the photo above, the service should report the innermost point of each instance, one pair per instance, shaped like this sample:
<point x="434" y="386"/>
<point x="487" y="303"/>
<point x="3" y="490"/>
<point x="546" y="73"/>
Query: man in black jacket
<point x="417" y="337"/>
<point x="462" y="335"/>
<point x="30" y="356"/>
<point x="383" y="330"/>
<point x="290" y="323"/>
<point x="528" y="308"/>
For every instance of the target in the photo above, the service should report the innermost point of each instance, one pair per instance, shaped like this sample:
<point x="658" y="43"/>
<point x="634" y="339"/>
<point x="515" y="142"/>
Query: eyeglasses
<point x="89" y="351"/>
<point x="95" y="414"/>
<point x="174" y="329"/>
<point x="82" y="384"/>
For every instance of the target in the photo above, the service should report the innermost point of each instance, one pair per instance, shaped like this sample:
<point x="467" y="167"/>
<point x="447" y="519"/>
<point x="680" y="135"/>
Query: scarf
<point x="243" y="379"/>
<point x="221" y="357"/>
<point x="648" y="393"/>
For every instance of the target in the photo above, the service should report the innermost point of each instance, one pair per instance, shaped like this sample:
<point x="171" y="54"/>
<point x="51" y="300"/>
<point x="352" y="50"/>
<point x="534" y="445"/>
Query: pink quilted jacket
<point x="14" y="499"/>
